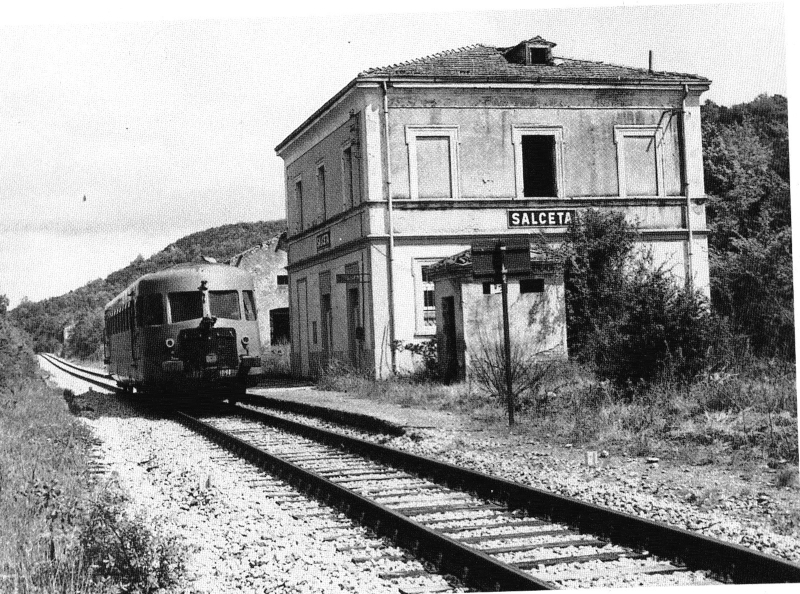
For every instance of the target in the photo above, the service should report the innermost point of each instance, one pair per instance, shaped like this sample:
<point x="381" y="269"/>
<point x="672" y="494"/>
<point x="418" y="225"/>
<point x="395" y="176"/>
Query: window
<point x="150" y="310"/>
<point x="322" y="209"/>
<point x="224" y="304"/>
<point x="348" y="179"/>
<point x="432" y="161"/>
<point x="538" y="161"/>
<point x="640" y="168"/>
<point x="249" y="306"/>
<point x="298" y="200"/>
<point x="424" y="297"/>
<point x="279" y="326"/>
<point x="490" y="288"/>
<point x="186" y="305"/>
<point x="531" y="285"/>
<point x="283" y="279"/>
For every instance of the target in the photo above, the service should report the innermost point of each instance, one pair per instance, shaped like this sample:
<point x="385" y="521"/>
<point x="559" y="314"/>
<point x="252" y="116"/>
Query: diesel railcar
<point x="191" y="327"/>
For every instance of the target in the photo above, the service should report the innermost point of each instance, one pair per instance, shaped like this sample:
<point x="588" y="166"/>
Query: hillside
<point x="45" y="320"/>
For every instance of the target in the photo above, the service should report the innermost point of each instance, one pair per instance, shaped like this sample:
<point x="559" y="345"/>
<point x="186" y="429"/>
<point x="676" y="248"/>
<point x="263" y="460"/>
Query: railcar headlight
<point x="170" y="343"/>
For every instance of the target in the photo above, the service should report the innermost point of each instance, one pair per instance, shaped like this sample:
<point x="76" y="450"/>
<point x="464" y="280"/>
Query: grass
<point x="746" y="416"/>
<point x="60" y="531"/>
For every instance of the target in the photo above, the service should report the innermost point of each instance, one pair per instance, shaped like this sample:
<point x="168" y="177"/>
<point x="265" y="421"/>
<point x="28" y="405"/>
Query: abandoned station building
<point x="409" y="164"/>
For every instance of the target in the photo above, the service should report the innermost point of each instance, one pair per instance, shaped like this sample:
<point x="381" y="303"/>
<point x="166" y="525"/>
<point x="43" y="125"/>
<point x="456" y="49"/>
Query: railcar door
<point x="134" y="329"/>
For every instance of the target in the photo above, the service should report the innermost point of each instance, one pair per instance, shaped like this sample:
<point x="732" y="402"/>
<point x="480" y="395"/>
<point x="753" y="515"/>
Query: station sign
<point x="323" y="241"/>
<point x="488" y="259"/>
<point x="352" y="277"/>
<point x="535" y="217"/>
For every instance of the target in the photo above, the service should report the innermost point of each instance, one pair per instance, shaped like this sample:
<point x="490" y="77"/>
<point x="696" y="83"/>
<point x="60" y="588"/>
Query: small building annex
<point x="408" y="164"/>
<point x="267" y="263"/>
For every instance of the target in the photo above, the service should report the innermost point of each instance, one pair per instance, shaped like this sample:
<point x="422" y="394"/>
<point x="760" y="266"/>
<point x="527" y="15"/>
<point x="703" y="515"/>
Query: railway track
<point x="490" y="533"/>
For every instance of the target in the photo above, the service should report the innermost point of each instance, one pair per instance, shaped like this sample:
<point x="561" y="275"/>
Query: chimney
<point x="650" y="61"/>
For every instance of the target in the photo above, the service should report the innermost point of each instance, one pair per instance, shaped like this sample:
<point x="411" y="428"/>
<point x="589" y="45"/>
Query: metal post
<point x="506" y="333"/>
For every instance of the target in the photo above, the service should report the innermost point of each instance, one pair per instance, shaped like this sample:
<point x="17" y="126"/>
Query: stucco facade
<point x="409" y="164"/>
<point x="267" y="263"/>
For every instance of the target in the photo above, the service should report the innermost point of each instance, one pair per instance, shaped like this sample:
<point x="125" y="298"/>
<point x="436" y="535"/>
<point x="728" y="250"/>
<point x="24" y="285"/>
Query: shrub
<point x="121" y="550"/>
<point x="276" y="360"/>
<point x="527" y="369"/>
<point x="599" y="246"/>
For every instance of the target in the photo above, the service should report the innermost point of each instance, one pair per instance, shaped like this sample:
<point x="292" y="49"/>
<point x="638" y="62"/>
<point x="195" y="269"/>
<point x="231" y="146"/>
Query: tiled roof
<point x="544" y="259"/>
<point x="487" y="62"/>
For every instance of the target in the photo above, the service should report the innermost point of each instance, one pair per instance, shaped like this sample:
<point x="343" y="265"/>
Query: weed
<point x="121" y="550"/>
<point x="786" y="478"/>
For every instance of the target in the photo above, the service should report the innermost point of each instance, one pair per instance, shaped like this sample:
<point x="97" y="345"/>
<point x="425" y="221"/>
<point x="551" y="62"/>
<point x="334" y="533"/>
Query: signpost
<point x="498" y="259"/>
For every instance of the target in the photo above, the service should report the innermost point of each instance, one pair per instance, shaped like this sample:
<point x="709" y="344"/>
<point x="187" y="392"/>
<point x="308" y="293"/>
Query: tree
<point x="599" y="244"/>
<point x="746" y="174"/>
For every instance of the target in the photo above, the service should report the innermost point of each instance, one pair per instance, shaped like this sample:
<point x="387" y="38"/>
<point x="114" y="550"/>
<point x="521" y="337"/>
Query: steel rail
<point x="727" y="561"/>
<point x="76" y="371"/>
<point x="472" y="566"/>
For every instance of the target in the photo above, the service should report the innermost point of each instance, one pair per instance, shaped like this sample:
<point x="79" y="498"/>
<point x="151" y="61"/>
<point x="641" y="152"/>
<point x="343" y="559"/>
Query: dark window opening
<point x="490" y="288"/>
<point x="283" y="279"/>
<point x="321" y="189"/>
<point x="249" y="306"/>
<point x="314" y="332"/>
<point x="298" y="196"/>
<point x="186" y="305"/>
<point x="224" y="304"/>
<point x="279" y="326"/>
<point x="150" y="310"/>
<point x="347" y="173"/>
<point x="531" y="285"/>
<point x="539" y="166"/>
<point x="539" y="55"/>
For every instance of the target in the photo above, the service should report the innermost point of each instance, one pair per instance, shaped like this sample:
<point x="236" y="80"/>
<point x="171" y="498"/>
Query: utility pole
<point x="498" y="259"/>
<point x="501" y="250"/>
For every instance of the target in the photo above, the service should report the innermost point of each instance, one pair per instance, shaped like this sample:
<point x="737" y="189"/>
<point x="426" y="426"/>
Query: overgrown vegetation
<point x="81" y="310"/>
<point x="59" y="532"/>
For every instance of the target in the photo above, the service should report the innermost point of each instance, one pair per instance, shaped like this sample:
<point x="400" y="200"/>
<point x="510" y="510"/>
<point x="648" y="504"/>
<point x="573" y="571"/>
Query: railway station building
<point x="409" y="164"/>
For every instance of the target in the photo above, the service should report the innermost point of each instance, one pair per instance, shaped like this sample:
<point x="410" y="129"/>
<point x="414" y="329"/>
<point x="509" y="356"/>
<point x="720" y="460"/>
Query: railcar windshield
<point x="150" y="310"/>
<point x="186" y="305"/>
<point x="224" y="304"/>
<point x="249" y="306"/>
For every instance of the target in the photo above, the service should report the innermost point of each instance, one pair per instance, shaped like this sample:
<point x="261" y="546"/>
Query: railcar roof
<point x="174" y="274"/>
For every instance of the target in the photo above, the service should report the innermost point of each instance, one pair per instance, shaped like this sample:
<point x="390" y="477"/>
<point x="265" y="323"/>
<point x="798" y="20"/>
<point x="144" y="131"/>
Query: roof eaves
<point x="325" y="107"/>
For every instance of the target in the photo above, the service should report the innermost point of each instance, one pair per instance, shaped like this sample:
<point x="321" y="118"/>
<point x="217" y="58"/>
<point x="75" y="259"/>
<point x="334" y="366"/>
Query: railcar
<point x="188" y="328"/>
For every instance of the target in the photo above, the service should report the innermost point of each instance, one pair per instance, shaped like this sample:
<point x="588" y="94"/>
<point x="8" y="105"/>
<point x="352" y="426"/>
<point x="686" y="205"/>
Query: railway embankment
<point x="737" y="498"/>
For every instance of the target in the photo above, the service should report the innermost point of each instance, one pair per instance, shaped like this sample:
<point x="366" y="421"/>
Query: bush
<point x="527" y="370"/>
<point x="663" y="332"/>
<point x="121" y="550"/>
<point x="629" y="318"/>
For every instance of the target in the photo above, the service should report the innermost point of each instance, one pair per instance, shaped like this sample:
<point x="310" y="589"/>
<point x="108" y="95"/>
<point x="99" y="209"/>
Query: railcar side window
<point x="249" y="305"/>
<point x="150" y="310"/>
<point x="224" y="304"/>
<point x="186" y="305"/>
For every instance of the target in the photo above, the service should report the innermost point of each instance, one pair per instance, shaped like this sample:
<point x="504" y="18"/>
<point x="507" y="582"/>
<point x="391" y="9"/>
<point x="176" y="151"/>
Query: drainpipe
<point x="686" y="192"/>
<point x="390" y="254"/>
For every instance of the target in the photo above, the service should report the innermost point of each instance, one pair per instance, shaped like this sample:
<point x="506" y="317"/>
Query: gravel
<point x="239" y="539"/>
<point x="629" y="485"/>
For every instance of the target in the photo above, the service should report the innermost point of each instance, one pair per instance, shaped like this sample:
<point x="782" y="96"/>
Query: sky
<point x="166" y="120"/>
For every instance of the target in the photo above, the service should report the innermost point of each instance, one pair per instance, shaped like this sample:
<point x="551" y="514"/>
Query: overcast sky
<point x="168" y="126"/>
